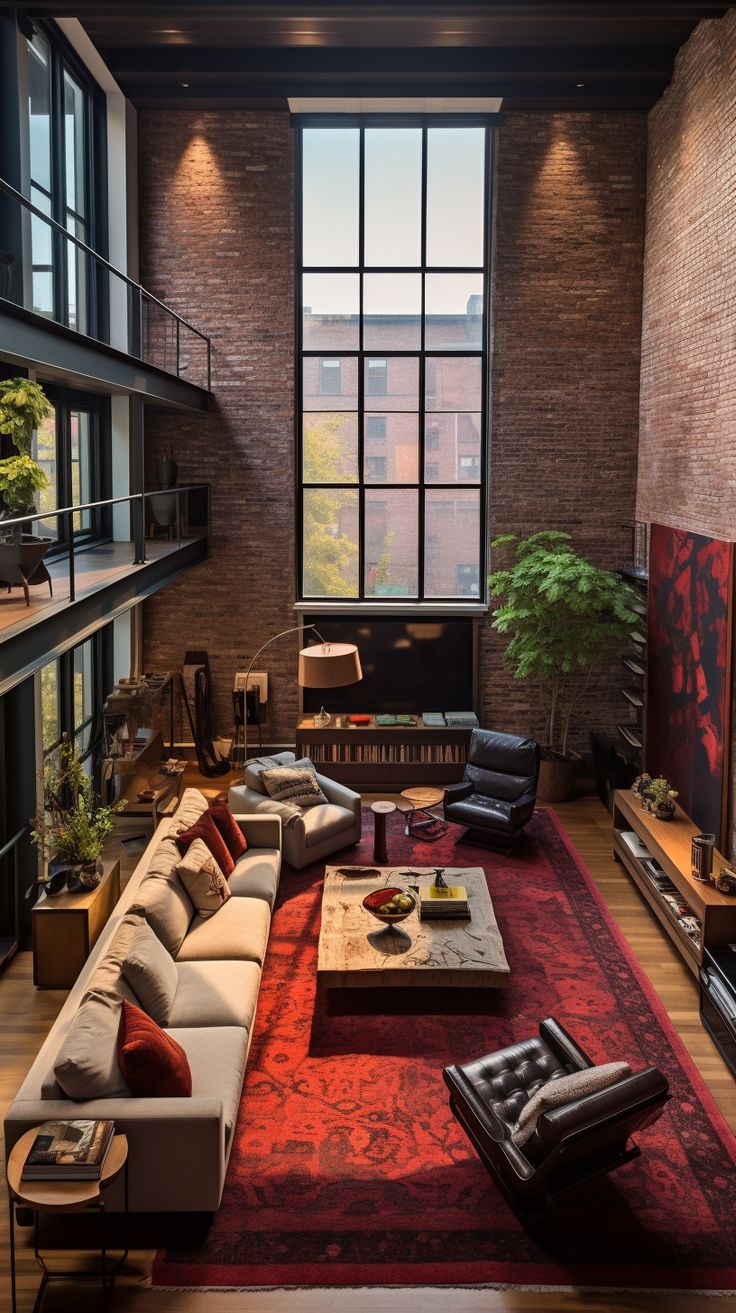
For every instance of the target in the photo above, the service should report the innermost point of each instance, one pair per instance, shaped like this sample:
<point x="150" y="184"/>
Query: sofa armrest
<point x="261" y="831"/>
<point x="340" y="794"/>
<point x="563" y="1044"/>
<point x="243" y="801"/>
<point x="523" y="806"/>
<point x="642" y="1089"/>
<point x="456" y="792"/>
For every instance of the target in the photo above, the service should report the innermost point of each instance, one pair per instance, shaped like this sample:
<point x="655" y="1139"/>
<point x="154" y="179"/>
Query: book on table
<point x="450" y="901"/>
<point x="69" y="1151"/>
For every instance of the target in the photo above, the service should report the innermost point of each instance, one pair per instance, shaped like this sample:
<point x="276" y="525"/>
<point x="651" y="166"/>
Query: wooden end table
<point x="380" y="811"/>
<point x="65" y="928"/>
<point x="63" y="1197"/>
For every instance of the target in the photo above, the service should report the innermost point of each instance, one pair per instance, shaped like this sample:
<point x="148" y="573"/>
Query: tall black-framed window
<point x="72" y="446"/>
<point x="73" y="687"/>
<point x="66" y="153"/>
<point x="393" y="278"/>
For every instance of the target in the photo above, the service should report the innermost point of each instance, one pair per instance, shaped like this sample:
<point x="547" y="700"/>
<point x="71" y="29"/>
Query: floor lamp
<point x="324" y="665"/>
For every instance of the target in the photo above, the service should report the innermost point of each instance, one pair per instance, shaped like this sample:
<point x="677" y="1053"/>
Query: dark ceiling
<point x="537" y="56"/>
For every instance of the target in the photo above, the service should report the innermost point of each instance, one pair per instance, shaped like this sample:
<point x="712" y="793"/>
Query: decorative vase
<point x="557" y="776"/>
<point x="664" y="811"/>
<point x="84" y="876"/>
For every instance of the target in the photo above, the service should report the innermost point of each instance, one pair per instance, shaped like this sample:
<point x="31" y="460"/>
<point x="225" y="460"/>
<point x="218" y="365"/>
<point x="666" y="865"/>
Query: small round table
<point x="423" y="796"/>
<point x="380" y="811"/>
<point x="63" y="1197"/>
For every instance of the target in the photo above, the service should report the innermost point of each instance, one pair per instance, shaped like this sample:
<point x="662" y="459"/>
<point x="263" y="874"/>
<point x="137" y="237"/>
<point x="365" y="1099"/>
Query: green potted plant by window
<point x="565" y="618"/>
<point x="23" y="406"/>
<point x="71" y="824"/>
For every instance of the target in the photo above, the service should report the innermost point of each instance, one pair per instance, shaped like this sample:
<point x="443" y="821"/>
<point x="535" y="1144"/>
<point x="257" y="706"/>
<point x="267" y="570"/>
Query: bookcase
<point x="372" y="756"/>
<point x="669" y="843"/>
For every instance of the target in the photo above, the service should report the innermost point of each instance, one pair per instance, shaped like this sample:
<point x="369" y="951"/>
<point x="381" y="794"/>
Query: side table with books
<point x="64" y="1167"/>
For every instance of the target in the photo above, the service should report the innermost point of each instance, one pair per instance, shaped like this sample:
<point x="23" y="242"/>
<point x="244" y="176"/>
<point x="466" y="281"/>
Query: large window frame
<point x="84" y="215"/>
<point x="85" y="670"/>
<point x="88" y="527"/>
<point x="424" y="354"/>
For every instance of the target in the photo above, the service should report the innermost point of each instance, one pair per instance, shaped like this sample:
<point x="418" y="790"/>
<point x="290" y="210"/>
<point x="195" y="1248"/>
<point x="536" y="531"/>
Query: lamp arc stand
<point x="295" y="629"/>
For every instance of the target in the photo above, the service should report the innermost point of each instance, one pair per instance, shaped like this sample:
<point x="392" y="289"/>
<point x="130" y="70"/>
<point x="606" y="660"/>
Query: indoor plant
<point x="565" y="617"/>
<point x="656" y="796"/>
<point x="23" y="406"/>
<point x="71" y="825"/>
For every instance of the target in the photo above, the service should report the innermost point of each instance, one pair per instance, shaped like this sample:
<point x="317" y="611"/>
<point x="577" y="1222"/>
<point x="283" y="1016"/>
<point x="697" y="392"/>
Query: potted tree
<point x="71" y="824"/>
<point x="565" y="618"/>
<point x="23" y="406"/>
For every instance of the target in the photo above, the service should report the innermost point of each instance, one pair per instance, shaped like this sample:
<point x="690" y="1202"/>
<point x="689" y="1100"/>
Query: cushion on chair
<point x="239" y="932"/>
<point x="255" y="767"/>
<point x="256" y="875"/>
<point x="86" y="1065"/>
<point x="231" y="832"/>
<point x="298" y="787"/>
<point x="565" y="1089"/>
<point x="216" y="994"/>
<point x="153" y="1063"/>
<point x="203" y="880"/>
<point x="204" y="828"/>
<point x="108" y="976"/>
<point x="151" y="973"/>
<point x="324" y="821"/>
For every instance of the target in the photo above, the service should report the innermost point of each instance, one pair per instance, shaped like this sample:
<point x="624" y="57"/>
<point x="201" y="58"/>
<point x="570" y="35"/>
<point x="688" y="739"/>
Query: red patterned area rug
<point x="347" y="1167"/>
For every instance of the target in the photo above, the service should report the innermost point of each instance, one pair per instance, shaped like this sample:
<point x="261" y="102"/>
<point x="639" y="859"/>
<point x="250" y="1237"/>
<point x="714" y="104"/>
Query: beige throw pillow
<point x="203" y="879"/>
<point x="86" y="1065"/>
<point x="297" y="786"/>
<point x="151" y="973"/>
<point x="565" y="1089"/>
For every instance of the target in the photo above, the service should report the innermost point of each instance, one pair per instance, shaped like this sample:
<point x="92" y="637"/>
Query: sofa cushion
<point x="216" y="1058"/>
<point x="108" y="976"/>
<point x="167" y="909"/>
<point x="151" y="972"/>
<point x="239" y="931"/>
<point x="191" y="806"/>
<point x="323" y="822"/>
<point x="256" y="765"/>
<point x="216" y="994"/>
<point x="206" y="830"/>
<point x="154" y="1064"/>
<point x="203" y="880"/>
<point x="299" y="788"/>
<point x="86" y="1065"/>
<point x="565" y="1089"/>
<point x="231" y="832"/>
<point x="256" y="875"/>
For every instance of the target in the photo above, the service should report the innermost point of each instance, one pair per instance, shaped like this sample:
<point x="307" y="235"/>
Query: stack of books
<point x="461" y="719"/>
<point x="449" y="903"/>
<point x="69" y="1151"/>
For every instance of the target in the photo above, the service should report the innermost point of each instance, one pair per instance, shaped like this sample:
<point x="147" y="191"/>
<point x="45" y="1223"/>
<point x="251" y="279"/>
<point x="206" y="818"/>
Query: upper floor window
<point x="61" y="132"/>
<point x="393" y="351"/>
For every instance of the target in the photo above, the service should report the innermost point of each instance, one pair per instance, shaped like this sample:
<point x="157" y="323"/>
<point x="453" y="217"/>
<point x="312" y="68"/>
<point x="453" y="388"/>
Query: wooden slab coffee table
<point x="356" y="951"/>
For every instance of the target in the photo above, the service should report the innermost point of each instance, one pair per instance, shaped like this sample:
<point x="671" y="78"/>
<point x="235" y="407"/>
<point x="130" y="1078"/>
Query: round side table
<point x="380" y="811"/>
<point x="63" y="1197"/>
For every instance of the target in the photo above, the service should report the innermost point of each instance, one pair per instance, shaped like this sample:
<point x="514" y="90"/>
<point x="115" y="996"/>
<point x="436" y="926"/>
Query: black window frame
<point x="64" y="58"/>
<point x="425" y="357"/>
<point x="65" y="401"/>
<point x="101" y="668"/>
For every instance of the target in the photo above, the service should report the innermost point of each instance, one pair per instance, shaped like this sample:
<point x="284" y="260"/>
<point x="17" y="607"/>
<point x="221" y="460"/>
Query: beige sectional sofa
<point x="178" y="1147"/>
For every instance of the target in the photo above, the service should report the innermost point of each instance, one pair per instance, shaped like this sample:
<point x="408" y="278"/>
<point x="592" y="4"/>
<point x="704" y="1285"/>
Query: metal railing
<point x="9" y="942"/>
<point x="149" y="330"/>
<point x="170" y="521"/>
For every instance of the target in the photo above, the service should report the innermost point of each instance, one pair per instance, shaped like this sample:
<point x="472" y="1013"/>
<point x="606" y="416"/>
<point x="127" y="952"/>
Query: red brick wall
<point x="567" y="315"/>
<point x="216" y="237"/>
<point x="687" y="455"/>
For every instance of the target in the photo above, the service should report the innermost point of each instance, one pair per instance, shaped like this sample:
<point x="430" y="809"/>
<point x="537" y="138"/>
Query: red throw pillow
<point x="153" y="1064"/>
<point x="231" y="832"/>
<point x="206" y="829"/>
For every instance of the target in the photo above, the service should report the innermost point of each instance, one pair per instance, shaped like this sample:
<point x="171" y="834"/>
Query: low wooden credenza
<point x="66" y="927"/>
<point x="669" y="843"/>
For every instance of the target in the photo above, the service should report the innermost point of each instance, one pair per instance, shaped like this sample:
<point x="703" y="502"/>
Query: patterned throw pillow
<point x="298" y="787"/>
<point x="564" y="1089"/>
<point x="203" y="879"/>
<point x="206" y="829"/>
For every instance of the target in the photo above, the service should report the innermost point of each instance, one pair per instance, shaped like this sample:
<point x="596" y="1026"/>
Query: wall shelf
<point x="371" y="755"/>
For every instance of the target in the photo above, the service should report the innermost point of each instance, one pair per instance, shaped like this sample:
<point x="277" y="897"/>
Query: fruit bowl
<point x="380" y="897"/>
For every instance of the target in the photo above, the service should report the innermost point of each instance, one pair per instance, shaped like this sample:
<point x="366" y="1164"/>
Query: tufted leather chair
<point x="572" y="1144"/>
<point x="497" y="794"/>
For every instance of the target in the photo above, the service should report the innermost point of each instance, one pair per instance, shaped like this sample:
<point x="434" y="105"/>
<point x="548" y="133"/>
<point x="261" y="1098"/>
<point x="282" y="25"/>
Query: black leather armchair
<point x="497" y="795"/>
<point x="572" y="1144"/>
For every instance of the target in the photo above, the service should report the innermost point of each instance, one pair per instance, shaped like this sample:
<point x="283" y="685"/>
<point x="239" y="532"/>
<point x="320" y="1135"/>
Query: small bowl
<point x="373" y="902"/>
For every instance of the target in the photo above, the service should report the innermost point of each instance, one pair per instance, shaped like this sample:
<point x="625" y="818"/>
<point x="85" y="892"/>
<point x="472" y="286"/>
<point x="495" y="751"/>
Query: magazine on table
<point x="69" y="1151"/>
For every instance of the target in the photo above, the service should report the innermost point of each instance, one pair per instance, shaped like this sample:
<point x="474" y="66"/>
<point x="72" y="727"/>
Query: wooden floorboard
<point x="26" y="1015"/>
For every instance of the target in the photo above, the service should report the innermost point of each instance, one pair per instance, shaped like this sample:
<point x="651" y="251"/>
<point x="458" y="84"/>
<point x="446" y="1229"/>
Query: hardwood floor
<point x="26" y="1014"/>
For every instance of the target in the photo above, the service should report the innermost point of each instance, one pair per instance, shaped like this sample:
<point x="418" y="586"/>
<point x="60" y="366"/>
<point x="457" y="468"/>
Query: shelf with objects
<point x="367" y="753"/>
<point x="657" y="856"/>
<point x="634" y="660"/>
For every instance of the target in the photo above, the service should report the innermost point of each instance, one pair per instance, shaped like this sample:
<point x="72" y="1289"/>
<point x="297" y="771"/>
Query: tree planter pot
<point x="557" y="776"/>
<point x="21" y="563"/>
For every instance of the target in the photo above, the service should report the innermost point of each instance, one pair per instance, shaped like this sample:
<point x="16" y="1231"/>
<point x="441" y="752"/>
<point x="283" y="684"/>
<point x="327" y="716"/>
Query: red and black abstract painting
<point x="689" y="653"/>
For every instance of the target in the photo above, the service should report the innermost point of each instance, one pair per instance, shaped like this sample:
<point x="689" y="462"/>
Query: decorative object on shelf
<point x="725" y="881"/>
<point x="324" y="665"/>
<point x="640" y="790"/>
<point x="564" y="617"/>
<point x="662" y="799"/>
<point x="321" y="719"/>
<point x="701" y="856"/>
<point x="439" y="878"/>
<point x="23" y="406"/>
<point x="71" y="825"/>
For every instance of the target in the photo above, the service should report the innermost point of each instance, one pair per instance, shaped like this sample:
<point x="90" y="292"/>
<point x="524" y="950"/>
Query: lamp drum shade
<point x="329" y="665"/>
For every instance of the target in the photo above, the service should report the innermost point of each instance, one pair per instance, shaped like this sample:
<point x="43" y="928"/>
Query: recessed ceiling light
<point x="579" y="84"/>
<point x="184" y="84"/>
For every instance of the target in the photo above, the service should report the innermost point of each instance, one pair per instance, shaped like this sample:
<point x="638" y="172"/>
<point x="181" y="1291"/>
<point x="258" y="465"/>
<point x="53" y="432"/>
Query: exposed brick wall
<point x="216" y="244"/>
<point x="216" y="236"/>
<point x="687" y="455"/>
<point x="567" y="315"/>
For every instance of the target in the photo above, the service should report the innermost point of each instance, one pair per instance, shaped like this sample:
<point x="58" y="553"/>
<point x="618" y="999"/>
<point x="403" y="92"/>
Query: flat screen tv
<point x="409" y="666"/>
